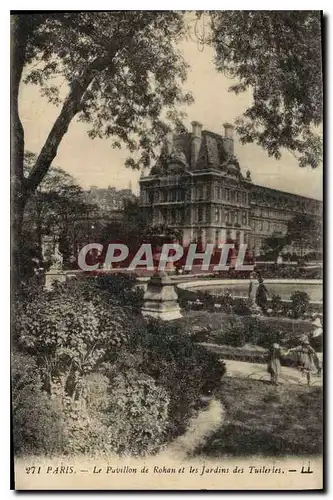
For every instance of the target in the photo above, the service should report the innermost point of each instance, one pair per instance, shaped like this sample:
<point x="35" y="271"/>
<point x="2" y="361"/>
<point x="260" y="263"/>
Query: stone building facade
<point x="197" y="187"/>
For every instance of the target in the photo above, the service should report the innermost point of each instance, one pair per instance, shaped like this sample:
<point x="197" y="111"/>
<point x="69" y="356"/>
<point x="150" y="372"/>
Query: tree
<point x="305" y="233"/>
<point x="123" y="76"/>
<point x="274" y="245"/>
<point x="51" y="210"/>
<point x="277" y="54"/>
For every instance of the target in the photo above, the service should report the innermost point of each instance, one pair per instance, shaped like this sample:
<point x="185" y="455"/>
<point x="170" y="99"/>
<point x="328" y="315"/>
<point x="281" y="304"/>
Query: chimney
<point x="169" y="142"/>
<point x="228" y="139"/>
<point x="196" y="142"/>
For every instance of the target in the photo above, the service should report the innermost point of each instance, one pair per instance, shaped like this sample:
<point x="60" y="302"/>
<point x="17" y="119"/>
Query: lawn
<point x="265" y="420"/>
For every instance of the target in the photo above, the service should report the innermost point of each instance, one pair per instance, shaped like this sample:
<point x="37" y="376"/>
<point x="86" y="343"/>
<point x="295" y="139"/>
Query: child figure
<point x="306" y="358"/>
<point x="274" y="363"/>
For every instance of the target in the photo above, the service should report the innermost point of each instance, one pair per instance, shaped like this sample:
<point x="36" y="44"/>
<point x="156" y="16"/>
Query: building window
<point x="236" y="217"/>
<point x="217" y="214"/>
<point x="227" y="195"/>
<point x="232" y="196"/>
<point x="227" y="220"/>
<point x="143" y="196"/>
<point x="244" y="199"/>
<point x="200" y="214"/>
<point x="244" y="217"/>
<point x="261" y="225"/>
<point x="199" y="193"/>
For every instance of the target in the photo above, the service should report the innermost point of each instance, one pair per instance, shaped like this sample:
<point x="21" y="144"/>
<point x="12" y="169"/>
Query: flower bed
<point x="240" y="331"/>
<point x="193" y="297"/>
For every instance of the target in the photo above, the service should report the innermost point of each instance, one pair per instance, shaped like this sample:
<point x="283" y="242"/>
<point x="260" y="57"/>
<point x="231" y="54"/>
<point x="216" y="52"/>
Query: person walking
<point x="274" y="363"/>
<point x="306" y="358"/>
<point x="261" y="293"/>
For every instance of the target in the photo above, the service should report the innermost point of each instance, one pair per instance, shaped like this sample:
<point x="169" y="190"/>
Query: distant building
<point x="109" y="200"/>
<point x="197" y="187"/>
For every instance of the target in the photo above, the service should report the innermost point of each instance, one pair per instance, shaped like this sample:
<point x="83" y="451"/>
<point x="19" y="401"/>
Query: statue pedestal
<point x="160" y="299"/>
<point x="53" y="275"/>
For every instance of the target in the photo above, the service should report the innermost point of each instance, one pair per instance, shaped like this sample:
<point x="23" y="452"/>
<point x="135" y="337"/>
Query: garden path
<point x="257" y="371"/>
<point x="200" y="428"/>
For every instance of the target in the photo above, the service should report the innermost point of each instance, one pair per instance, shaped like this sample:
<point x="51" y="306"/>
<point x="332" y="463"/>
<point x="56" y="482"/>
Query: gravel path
<point x="258" y="371"/>
<point x="200" y="428"/>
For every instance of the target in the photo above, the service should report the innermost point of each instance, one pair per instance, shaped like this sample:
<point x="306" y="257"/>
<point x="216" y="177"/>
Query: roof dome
<point x="177" y="161"/>
<point x="156" y="169"/>
<point x="233" y="169"/>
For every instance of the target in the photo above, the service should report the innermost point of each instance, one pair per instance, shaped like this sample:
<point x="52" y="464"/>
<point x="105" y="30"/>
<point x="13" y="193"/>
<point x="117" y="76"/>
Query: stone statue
<point x="279" y="259"/>
<point x="56" y="272"/>
<point x="248" y="176"/>
<point x="252" y="294"/>
<point x="252" y="289"/>
<point x="57" y="258"/>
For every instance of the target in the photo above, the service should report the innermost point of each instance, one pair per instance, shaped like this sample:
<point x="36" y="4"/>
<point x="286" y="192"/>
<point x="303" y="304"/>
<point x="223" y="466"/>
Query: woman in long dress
<point x="274" y="363"/>
<point x="261" y="294"/>
<point x="306" y="358"/>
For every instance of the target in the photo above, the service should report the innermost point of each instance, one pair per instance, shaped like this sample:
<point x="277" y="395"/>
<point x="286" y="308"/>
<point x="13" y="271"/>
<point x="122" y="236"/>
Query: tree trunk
<point x="19" y="35"/>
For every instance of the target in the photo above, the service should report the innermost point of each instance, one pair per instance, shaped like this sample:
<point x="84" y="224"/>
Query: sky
<point x="95" y="163"/>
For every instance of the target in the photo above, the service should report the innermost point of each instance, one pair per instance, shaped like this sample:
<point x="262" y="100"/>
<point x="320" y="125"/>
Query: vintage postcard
<point x="167" y="259"/>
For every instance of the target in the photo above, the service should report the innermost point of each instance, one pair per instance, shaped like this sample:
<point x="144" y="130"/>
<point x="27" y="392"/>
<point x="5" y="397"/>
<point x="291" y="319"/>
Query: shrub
<point x="267" y="336"/>
<point x="119" y="288"/>
<point x="235" y="338"/>
<point x="299" y="303"/>
<point x="70" y="334"/>
<point x="38" y="424"/>
<point x="227" y="303"/>
<point x="185" y="369"/>
<point x="137" y="413"/>
<point x="276" y="304"/>
<point x="207" y="300"/>
<point x="235" y="333"/>
<point x="241" y="307"/>
<point x="127" y="414"/>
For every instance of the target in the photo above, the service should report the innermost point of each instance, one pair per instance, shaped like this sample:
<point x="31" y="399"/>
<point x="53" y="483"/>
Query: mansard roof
<point x="278" y="193"/>
<point x="213" y="154"/>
